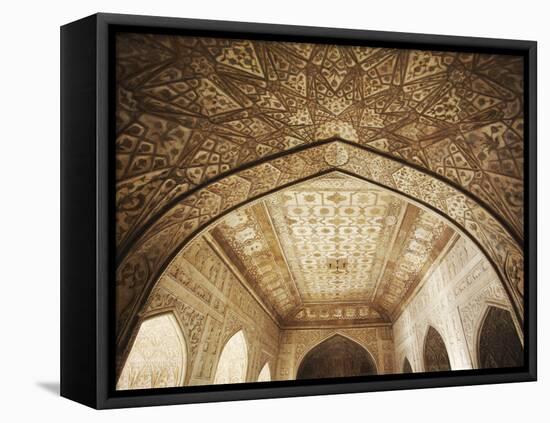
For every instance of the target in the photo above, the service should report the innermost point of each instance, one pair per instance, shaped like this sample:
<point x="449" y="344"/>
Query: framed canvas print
<point x="255" y="211"/>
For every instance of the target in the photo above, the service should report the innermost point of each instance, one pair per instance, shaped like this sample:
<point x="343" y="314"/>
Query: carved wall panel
<point x="191" y="320"/>
<point x="335" y="314"/>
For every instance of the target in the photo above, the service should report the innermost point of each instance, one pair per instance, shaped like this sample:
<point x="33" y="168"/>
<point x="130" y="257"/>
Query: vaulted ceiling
<point x="203" y="124"/>
<point x="192" y="108"/>
<point x="334" y="248"/>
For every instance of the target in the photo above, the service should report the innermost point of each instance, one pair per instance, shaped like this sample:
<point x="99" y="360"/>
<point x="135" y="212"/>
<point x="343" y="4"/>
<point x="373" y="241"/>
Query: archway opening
<point x="407" y="366"/>
<point x="158" y="358"/>
<point x="233" y="361"/>
<point x="436" y="358"/>
<point x="499" y="343"/>
<point x="337" y="356"/>
<point x="265" y="374"/>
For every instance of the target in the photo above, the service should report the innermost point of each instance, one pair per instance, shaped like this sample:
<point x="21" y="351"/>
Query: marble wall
<point x="453" y="300"/>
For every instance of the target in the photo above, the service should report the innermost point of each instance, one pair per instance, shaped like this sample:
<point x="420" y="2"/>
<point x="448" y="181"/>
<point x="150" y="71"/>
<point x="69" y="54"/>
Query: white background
<point x="29" y="239"/>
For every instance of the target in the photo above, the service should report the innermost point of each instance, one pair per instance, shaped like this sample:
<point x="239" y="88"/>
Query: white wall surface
<point x="29" y="239"/>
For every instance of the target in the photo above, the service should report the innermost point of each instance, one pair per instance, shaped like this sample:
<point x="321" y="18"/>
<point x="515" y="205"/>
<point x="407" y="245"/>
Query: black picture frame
<point x="87" y="206"/>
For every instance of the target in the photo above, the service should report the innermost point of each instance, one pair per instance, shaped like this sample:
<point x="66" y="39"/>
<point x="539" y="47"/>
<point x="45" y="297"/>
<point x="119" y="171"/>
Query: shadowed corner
<point x="51" y="387"/>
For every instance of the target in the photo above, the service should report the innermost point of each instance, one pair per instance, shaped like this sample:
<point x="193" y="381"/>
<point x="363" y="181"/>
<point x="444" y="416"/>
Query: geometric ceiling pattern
<point x="191" y="108"/>
<point x="333" y="248"/>
<point x="206" y="124"/>
<point x="336" y="232"/>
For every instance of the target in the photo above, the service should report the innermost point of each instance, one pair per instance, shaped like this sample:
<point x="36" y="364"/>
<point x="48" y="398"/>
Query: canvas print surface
<point x="308" y="211"/>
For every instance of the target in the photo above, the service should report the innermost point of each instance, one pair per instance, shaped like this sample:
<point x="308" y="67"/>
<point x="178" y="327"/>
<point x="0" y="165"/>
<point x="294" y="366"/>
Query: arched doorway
<point x="337" y="356"/>
<point x="158" y="357"/>
<point x="265" y="374"/>
<point x="499" y="344"/>
<point x="407" y="366"/>
<point x="436" y="358"/>
<point x="233" y="361"/>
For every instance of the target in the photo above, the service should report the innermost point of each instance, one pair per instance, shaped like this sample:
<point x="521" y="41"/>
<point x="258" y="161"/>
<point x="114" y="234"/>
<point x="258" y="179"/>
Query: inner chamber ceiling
<point x="274" y="198"/>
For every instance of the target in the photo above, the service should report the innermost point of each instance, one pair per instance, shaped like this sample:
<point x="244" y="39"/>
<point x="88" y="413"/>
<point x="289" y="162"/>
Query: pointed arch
<point x="158" y="357"/>
<point x="185" y="217"/>
<point x="436" y="358"/>
<point x="407" y="368"/>
<point x="336" y="356"/>
<point x="498" y="343"/>
<point x="327" y="337"/>
<point x="233" y="361"/>
<point x="265" y="374"/>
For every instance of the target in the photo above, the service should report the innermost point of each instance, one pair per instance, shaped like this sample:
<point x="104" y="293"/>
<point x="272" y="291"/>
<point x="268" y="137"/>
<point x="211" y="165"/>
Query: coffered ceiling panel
<point x="334" y="248"/>
<point x="335" y="232"/>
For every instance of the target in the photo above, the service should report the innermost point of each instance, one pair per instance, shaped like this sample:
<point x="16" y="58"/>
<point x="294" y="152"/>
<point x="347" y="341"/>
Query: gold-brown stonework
<point x="299" y="191"/>
<point x="191" y="109"/>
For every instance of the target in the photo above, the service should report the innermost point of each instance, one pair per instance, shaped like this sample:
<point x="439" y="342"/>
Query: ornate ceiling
<point x="192" y="108"/>
<point x="205" y="125"/>
<point x="334" y="248"/>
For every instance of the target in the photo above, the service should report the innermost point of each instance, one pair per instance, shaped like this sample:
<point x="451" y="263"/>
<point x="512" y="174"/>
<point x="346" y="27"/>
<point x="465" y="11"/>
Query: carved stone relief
<point x="190" y="109"/>
<point x="265" y="187"/>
